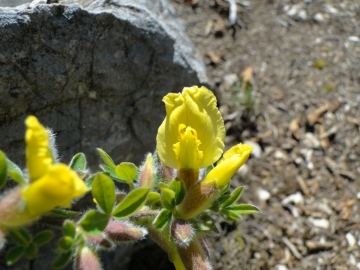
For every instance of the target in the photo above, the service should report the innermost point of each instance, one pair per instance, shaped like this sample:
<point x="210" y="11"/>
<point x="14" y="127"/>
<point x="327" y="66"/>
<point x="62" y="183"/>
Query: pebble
<point x="354" y="39"/>
<point x="280" y="155"/>
<point x="256" y="152"/>
<point x="263" y="194"/>
<point x="350" y="239"/>
<point x="244" y="170"/>
<point x="302" y="15"/>
<point x="310" y="141"/>
<point x="320" y="222"/>
<point x="319" y="17"/>
<point x="358" y="195"/>
<point x="281" y="267"/>
<point x="230" y="80"/>
<point x="295" y="198"/>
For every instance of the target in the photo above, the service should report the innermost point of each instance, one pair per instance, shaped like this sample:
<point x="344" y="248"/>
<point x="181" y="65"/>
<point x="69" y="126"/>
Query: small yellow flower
<point x="200" y="196"/>
<point x="192" y="134"/>
<point x="50" y="184"/>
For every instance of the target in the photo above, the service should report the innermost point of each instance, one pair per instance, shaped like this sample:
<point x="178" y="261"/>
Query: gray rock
<point x="95" y="74"/>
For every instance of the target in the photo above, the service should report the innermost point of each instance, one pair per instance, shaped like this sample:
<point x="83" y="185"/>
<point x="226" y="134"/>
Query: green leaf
<point x="94" y="222"/>
<point x="15" y="172"/>
<point x="223" y="198"/>
<point x="78" y="162"/>
<point x="14" y="254"/>
<point x="126" y="171"/>
<point x="235" y="196"/>
<point x="103" y="190"/>
<point x="3" y="169"/>
<point x="111" y="172"/>
<point x="153" y="199"/>
<point x="206" y="223"/>
<point x="62" y="260"/>
<point x="106" y="158"/>
<point x="229" y="215"/>
<point x="21" y="236"/>
<point x="244" y="209"/>
<point x="131" y="203"/>
<point x="168" y="198"/>
<point x="31" y="251"/>
<point x="69" y="228"/>
<point x="63" y="213"/>
<point x="178" y="186"/>
<point x="162" y="219"/>
<point x="225" y="188"/>
<point x="65" y="243"/>
<point x="43" y="237"/>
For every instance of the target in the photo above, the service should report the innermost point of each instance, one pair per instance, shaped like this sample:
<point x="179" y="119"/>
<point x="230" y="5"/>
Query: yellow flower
<point x="50" y="184"/>
<point x="200" y="196"/>
<point x="228" y="165"/>
<point x="192" y="134"/>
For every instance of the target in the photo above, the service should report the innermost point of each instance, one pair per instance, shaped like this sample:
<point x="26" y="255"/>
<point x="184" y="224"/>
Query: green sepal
<point x="43" y="237"/>
<point x="131" y="203"/>
<point x="65" y="243"/>
<point x="178" y="186"/>
<point x="153" y="199"/>
<point x="3" y="169"/>
<point x="167" y="198"/>
<point x="15" y="172"/>
<point x="62" y="260"/>
<point x="234" y="197"/>
<point x="103" y="190"/>
<point x="106" y="158"/>
<point x="127" y="171"/>
<point x="162" y="185"/>
<point x="244" y="209"/>
<point x="31" y="251"/>
<point x="14" y="254"/>
<point x="64" y="213"/>
<point x="162" y="219"/>
<point x="21" y="236"/>
<point x="69" y="228"/>
<point x="78" y="162"/>
<point x="94" y="222"/>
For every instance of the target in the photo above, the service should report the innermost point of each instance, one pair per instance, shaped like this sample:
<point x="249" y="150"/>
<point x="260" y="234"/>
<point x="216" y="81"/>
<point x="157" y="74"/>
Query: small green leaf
<point x="178" y="186"/>
<point x="168" y="198"/>
<point x="3" y="169"/>
<point x="131" y="203"/>
<point x="63" y="213"/>
<point x="15" y="172"/>
<point x="162" y="219"/>
<point x="111" y="172"/>
<point x="153" y="199"/>
<point x="31" y="251"/>
<point x="229" y="215"/>
<point x="234" y="197"/>
<point x="14" y="254"/>
<point x="126" y="171"/>
<point x="206" y="223"/>
<point x="65" y="243"/>
<point x="78" y="162"/>
<point x="43" y="237"/>
<point x="69" y="228"/>
<point x="21" y="236"/>
<point x="103" y="190"/>
<point x="244" y="209"/>
<point x="94" y="222"/>
<point x="62" y="260"/>
<point x="106" y="158"/>
<point x="225" y="188"/>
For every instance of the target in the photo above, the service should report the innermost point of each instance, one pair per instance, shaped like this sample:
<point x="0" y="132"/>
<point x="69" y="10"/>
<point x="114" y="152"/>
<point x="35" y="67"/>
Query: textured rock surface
<point x="95" y="74"/>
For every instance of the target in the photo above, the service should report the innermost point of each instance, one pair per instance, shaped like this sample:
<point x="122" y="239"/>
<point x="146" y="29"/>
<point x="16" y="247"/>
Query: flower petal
<point x="195" y="108"/>
<point x="56" y="188"/>
<point x="38" y="153"/>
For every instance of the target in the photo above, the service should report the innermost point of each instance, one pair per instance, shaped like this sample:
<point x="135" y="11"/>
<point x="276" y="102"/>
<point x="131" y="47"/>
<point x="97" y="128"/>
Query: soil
<point x="287" y="76"/>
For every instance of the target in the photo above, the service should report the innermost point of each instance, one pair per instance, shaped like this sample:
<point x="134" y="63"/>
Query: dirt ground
<point x="302" y="67"/>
